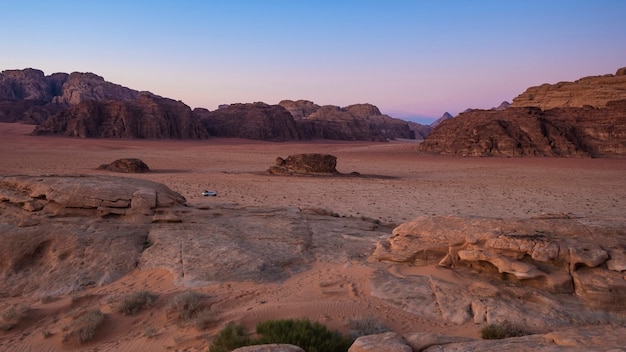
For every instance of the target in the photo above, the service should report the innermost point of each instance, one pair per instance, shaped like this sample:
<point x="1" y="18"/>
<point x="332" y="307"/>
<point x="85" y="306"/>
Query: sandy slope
<point x="397" y="184"/>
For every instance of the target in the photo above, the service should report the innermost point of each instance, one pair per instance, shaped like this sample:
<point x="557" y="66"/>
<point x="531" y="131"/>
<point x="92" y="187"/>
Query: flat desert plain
<point x="396" y="184"/>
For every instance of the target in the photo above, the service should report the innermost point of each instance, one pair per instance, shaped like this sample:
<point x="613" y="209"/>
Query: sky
<point x="414" y="59"/>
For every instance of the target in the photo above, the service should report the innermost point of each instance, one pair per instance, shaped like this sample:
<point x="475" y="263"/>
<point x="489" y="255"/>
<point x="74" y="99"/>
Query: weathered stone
<point x="269" y="348"/>
<point x="305" y="164"/>
<point x="385" y="342"/>
<point x="594" y="91"/>
<point x="419" y="341"/>
<point x="126" y="165"/>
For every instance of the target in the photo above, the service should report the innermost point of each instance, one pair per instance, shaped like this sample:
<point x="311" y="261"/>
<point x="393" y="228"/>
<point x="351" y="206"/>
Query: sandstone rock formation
<point x="148" y="116"/>
<point x="252" y="121"/>
<point x="559" y="276"/>
<point x="514" y="269"/>
<point x="353" y="122"/>
<point x="299" y="109"/>
<point x="586" y="131"/>
<point x="127" y="165"/>
<point x="269" y="348"/>
<point x="305" y="164"/>
<point x="61" y="234"/>
<point x="594" y="91"/>
<point x="80" y="87"/>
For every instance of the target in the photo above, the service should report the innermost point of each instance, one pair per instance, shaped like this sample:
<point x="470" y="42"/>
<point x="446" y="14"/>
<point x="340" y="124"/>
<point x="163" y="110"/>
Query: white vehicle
<point x="209" y="193"/>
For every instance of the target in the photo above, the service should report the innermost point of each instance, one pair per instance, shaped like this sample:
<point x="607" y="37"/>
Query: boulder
<point x="126" y="165"/>
<point x="269" y="348"/>
<point x="385" y="342"/>
<point x="308" y="164"/>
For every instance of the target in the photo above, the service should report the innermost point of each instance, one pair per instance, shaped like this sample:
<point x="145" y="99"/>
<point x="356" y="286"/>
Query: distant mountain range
<point x="85" y="105"/>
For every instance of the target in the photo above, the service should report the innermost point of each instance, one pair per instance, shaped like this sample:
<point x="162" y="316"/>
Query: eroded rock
<point x="303" y="164"/>
<point x="126" y="165"/>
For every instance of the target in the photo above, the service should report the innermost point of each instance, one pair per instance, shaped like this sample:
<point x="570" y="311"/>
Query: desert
<point x="331" y="249"/>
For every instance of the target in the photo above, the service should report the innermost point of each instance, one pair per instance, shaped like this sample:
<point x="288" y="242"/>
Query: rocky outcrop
<point x="252" y="121"/>
<point x="149" y="116"/>
<point x="596" y="91"/>
<point x="128" y="165"/>
<point x="80" y="87"/>
<point x="548" y="256"/>
<point x="355" y="122"/>
<point x="61" y="234"/>
<point x="385" y="342"/>
<point x="273" y="347"/>
<point x="299" y="109"/>
<point x="420" y="131"/>
<point x="305" y="164"/>
<point x="529" y="131"/>
<point x="446" y="116"/>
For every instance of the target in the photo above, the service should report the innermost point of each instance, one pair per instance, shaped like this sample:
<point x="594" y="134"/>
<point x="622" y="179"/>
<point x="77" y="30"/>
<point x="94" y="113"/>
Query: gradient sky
<point x="412" y="59"/>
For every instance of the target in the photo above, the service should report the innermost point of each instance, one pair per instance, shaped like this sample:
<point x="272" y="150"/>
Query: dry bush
<point x="205" y="318"/>
<point x="502" y="330"/>
<point x="363" y="326"/>
<point x="134" y="302"/>
<point x="84" y="327"/>
<point x="12" y="317"/>
<point x="186" y="304"/>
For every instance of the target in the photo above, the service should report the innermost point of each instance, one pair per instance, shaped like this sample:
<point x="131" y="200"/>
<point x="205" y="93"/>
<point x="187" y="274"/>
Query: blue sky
<point x="412" y="59"/>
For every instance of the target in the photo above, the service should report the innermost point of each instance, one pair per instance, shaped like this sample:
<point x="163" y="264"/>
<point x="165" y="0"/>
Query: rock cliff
<point x="354" y="122"/>
<point x="147" y="116"/>
<point x="594" y="91"/>
<point x="252" y="121"/>
<point x="529" y="131"/>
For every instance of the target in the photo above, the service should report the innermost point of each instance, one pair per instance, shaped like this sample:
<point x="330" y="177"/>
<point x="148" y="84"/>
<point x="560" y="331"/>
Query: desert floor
<point x="397" y="184"/>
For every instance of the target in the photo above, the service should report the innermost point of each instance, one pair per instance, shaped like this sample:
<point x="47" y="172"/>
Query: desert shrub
<point x="312" y="337"/>
<point x="364" y="326"/>
<point x="204" y="318"/>
<point x="495" y="331"/>
<point x="186" y="304"/>
<point x="150" y="331"/>
<point x="230" y="337"/>
<point x="134" y="302"/>
<point x="84" y="327"/>
<point x="12" y="317"/>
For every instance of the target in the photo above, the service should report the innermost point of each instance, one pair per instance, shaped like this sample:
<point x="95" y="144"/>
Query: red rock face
<point x="148" y="116"/>
<point x="593" y="91"/>
<point x="362" y="122"/>
<point x="529" y="131"/>
<point x="252" y="121"/>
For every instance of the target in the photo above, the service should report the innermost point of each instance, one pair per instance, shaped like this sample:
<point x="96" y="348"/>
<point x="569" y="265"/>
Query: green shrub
<point x="312" y="337"/>
<point x="186" y="304"/>
<point x="84" y="327"/>
<point x="496" y="331"/>
<point x="134" y="302"/>
<point x="230" y="337"/>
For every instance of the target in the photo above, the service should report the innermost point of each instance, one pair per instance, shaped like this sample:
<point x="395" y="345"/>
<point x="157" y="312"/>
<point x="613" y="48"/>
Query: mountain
<point x="147" y="116"/>
<point x="86" y="105"/>
<point x="353" y="122"/>
<point x="446" y="116"/>
<point x="594" y="91"/>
